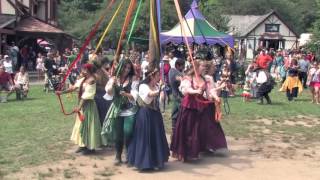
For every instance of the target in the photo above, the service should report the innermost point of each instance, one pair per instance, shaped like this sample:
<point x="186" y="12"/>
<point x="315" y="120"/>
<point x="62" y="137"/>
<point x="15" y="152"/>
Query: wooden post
<point x="154" y="40"/>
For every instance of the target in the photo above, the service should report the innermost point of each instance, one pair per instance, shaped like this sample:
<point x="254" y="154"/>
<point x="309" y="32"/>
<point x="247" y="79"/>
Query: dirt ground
<point x="246" y="160"/>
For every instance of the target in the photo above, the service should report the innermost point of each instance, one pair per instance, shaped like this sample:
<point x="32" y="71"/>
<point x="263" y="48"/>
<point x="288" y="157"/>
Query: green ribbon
<point x="134" y="21"/>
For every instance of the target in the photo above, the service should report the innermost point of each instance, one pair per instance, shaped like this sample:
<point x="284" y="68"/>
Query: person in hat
<point x="7" y="63"/>
<point x="164" y="74"/>
<point x="87" y="127"/>
<point x="265" y="84"/>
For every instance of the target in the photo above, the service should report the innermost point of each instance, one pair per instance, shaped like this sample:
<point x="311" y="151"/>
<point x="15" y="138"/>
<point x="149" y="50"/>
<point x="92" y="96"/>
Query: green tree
<point x="78" y="16"/>
<point x="213" y="12"/>
<point x="316" y="25"/>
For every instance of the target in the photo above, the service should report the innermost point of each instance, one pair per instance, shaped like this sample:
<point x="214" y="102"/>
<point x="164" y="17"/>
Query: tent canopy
<point x="198" y="30"/>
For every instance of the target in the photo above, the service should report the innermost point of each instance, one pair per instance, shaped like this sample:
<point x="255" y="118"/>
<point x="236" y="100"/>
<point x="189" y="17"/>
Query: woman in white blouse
<point x="87" y="127"/>
<point x="7" y="63"/>
<point x="149" y="149"/>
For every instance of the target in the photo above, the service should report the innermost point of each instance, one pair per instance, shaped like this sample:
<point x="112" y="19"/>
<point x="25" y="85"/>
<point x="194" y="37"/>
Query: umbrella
<point x="43" y="42"/>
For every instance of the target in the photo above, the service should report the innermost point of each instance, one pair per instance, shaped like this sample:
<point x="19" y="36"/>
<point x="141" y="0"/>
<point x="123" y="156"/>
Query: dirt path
<point x="246" y="160"/>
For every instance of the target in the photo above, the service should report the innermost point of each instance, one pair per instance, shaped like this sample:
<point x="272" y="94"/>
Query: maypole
<point x="154" y="40"/>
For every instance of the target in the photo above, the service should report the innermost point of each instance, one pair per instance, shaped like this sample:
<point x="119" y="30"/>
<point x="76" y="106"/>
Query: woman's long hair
<point x="148" y="76"/>
<point x="124" y="63"/>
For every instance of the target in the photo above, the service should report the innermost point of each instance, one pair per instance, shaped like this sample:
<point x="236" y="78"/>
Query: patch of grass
<point x="104" y="173"/>
<point x="42" y="175"/>
<point x="244" y="115"/>
<point x="33" y="131"/>
<point x="70" y="173"/>
<point x="237" y="125"/>
<point x="3" y="173"/>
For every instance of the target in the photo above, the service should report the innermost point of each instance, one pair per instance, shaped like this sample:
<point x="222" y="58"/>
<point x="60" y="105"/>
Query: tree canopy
<point x="78" y="16"/>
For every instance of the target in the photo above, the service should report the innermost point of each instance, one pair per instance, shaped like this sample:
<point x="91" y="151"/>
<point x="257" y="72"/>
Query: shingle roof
<point x="241" y="25"/>
<point x="31" y="24"/>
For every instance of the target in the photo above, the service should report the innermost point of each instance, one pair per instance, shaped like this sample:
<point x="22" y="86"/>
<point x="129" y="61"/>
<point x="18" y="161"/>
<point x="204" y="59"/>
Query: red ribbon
<point x="77" y="59"/>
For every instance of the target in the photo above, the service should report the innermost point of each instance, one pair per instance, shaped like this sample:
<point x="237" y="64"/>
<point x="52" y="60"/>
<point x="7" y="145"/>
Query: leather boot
<point x="260" y="100"/>
<point x="268" y="100"/>
<point x="118" y="160"/>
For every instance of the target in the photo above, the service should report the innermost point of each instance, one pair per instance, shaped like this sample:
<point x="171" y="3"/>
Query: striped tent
<point x="198" y="30"/>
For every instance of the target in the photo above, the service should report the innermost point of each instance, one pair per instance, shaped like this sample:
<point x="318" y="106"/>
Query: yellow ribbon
<point x="153" y="29"/>
<point x="108" y="27"/>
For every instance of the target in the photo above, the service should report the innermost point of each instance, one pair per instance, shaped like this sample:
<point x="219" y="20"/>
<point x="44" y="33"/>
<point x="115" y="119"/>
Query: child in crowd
<point x="292" y="85"/>
<point x="246" y="92"/>
<point x="250" y="77"/>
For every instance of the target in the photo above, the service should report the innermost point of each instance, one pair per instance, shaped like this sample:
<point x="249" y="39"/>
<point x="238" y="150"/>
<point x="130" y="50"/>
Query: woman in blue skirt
<point x="149" y="147"/>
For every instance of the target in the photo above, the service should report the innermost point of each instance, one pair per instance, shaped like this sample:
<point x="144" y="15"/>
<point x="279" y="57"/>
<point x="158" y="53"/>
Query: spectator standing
<point x="263" y="60"/>
<point x="14" y="52"/>
<point x="250" y="77"/>
<point x="278" y="64"/>
<point x="24" y="52"/>
<point x="304" y="66"/>
<point x="175" y="78"/>
<point x="40" y="65"/>
<point x="6" y="84"/>
<point x="314" y="82"/>
<point x="264" y="85"/>
<point x="32" y="60"/>
<point x="7" y="63"/>
<point x="172" y="60"/>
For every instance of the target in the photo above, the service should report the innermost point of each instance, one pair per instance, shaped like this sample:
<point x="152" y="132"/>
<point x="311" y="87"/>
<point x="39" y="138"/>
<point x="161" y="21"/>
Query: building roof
<point x="6" y="19"/>
<point x="34" y="25"/>
<point x="242" y="25"/>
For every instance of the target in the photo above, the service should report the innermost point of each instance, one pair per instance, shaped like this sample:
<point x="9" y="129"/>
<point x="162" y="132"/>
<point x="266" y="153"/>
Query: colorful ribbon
<point x="176" y="2"/>
<point x="155" y="27"/>
<point x="108" y="27"/>
<point x="218" y="110"/>
<point x="134" y="21"/>
<point x="125" y="26"/>
<point x="77" y="59"/>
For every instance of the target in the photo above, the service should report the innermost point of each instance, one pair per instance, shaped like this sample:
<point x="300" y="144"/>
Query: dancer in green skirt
<point x="87" y="127"/>
<point x="122" y="89"/>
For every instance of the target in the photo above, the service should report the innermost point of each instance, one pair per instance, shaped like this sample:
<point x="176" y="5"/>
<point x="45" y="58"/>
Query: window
<point x="272" y="27"/>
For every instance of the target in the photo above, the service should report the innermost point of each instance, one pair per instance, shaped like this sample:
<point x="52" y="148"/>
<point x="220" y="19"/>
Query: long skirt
<point x="87" y="132"/>
<point x="263" y="89"/>
<point x="102" y="104"/>
<point x="149" y="147"/>
<point x="196" y="131"/>
<point x="212" y="136"/>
